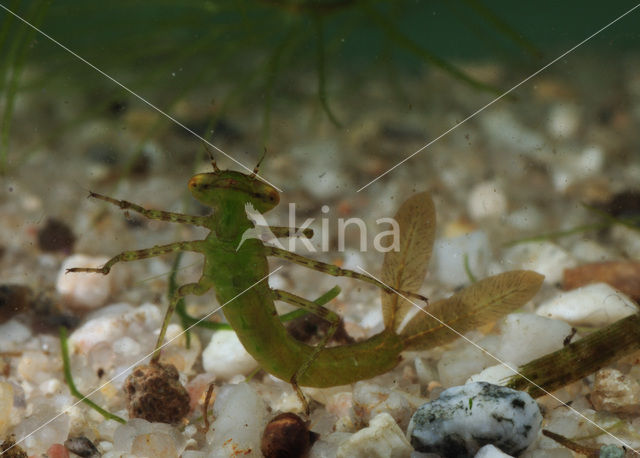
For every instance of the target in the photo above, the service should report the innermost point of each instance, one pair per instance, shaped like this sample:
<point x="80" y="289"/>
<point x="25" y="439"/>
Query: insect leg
<point x="280" y="231"/>
<point x="125" y="256"/>
<point x="152" y="214"/>
<point x="198" y="289"/>
<point x="335" y="270"/>
<point x="318" y="310"/>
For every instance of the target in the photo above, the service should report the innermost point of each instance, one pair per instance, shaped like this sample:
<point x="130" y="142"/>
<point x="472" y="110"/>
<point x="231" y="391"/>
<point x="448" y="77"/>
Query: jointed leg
<point x="335" y="270"/>
<point x="198" y="289"/>
<point x="280" y="231"/>
<point x="152" y="214"/>
<point x="318" y="310"/>
<point x="126" y="256"/>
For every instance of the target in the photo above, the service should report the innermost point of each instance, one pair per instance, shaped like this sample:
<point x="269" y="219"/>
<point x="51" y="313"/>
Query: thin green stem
<point x="320" y="67"/>
<point x="64" y="347"/>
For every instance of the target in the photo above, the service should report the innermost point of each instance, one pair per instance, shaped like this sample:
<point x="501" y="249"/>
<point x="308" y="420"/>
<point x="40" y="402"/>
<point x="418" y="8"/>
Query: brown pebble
<point x="287" y="436"/>
<point x="56" y="236"/>
<point x="9" y="449"/>
<point x="154" y="393"/>
<point x="622" y="275"/>
<point x="14" y="299"/>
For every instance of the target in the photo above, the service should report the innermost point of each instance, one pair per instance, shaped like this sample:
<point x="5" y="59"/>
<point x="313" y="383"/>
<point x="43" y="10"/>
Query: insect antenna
<point x="257" y="167"/>
<point x="213" y="161"/>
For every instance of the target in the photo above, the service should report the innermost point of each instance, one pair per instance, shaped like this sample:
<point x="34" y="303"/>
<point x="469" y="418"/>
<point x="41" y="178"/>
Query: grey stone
<point x="465" y="418"/>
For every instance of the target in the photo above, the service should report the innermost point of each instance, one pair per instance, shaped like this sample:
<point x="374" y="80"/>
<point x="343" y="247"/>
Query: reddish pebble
<point x="58" y="451"/>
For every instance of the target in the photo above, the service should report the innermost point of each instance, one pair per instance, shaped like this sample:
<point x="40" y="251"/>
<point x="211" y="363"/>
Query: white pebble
<point x="45" y="426"/>
<point x="327" y="445"/>
<point x="597" y="304"/>
<point x="486" y="200"/>
<point x="225" y="356"/>
<point x="497" y="375"/>
<point x="114" y="322"/>
<point x="158" y="445"/>
<point x="82" y="289"/>
<point x="545" y="258"/>
<point x="383" y="438"/>
<point x="449" y="254"/>
<point x="563" y="120"/>
<point x="371" y="400"/>
<point x="491" y="451"/>
<point x="527" y="336"/>
<point x="143" y="438"/>
<point x="12" y="335"/>
<point x="456" y="365"/>
<point x="240" y="418"/>
<point x="506" y="131"/>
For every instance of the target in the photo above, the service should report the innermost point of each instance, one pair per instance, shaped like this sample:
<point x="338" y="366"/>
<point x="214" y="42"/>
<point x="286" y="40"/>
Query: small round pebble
<point x="82" y="289"/>
<point x="383" y="438"/>
<point x="467" y="417"/>
<point x="597" y="304"/>
<point x="486" y="200"/>
<point x="225" y="356"/>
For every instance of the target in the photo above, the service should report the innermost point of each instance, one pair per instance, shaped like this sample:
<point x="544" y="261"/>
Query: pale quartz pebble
<point x="563" y="120"/>
<point x="465" y="418"/>
<point x="486" y="200"/>
<point x="240" y="418"/>
<point x="458" y="364"/>
<point x="371" y="400"/>
<point x="497" y="375"/>
<point x="176" y="351"/>
<point x="565" y="422"/>
<point x="83" y="289"/>
<point x="491" y="451"/>
<point x="545" y="258"/>
<point x="505" y="131"/>
<point x="527" y="336"/>
<point x="327" y="446"/>
<point x="45" y="426"/>
<point x="114" y="322"/>
<point x="615" y="392"/>
<point x="383" y="438"/>
<point x="225" y="356"/>
<point x="588" y="251"/>
<point x="50" y="386"/>
<point x="6" y="406"/>
<point x="12" y="335"/>
<point x="450" y="253"/>
<point x="142" y="438"/>
<point x="340" y="404"/>
<point x="36" y="367"/>
<point x="157" y="445"/>
<point x="597" y="304"/>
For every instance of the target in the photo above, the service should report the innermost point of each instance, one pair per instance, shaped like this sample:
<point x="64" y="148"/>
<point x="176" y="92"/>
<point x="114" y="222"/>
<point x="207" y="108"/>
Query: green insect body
<point x="238" y="276"/>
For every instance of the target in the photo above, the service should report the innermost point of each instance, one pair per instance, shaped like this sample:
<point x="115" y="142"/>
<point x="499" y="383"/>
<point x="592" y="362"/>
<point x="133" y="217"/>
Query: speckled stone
<point x="465" y="418"/>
